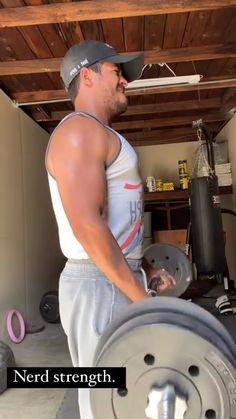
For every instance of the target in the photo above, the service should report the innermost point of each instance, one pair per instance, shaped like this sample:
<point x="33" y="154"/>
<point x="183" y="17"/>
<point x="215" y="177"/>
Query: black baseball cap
<point x="87" y="53"/>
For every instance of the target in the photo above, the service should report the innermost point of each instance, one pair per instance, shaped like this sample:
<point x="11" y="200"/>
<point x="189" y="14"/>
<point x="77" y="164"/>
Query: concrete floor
<point x="47" y="348"/>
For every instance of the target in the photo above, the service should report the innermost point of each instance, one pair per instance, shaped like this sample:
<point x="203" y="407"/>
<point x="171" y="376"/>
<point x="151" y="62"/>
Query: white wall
<point x="228" y="133"/>
<point x="161" y="161"/>
<point x="30" y="259"/>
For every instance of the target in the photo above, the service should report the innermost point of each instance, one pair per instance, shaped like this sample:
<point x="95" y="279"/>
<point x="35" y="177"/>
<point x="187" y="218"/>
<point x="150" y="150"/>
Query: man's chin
<point x="122" y="105"/>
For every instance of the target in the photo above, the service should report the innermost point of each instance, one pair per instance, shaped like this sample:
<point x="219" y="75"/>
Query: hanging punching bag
<point x="207" y="229"/>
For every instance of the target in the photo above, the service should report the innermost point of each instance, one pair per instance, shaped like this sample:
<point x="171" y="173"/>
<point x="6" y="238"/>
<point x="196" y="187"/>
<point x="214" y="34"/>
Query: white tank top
<point x="124" y="204"/>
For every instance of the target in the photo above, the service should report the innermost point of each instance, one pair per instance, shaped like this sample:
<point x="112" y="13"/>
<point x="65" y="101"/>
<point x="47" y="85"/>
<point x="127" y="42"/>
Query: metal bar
<point x="166" y="405"/>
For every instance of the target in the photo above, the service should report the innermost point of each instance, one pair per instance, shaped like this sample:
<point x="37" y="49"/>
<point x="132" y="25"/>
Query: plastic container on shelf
<point x="151" y="184"/>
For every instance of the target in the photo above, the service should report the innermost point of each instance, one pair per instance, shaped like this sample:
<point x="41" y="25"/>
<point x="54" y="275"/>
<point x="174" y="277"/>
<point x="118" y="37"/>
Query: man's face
<point x="111" y="85"/>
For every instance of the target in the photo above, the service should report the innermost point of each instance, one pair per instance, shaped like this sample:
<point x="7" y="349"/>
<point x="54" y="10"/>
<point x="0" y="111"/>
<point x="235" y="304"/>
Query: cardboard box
<point x="176" y="237"/>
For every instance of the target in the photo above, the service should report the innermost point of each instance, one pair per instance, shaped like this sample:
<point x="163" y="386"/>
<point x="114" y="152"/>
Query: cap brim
<point x="131" y="65"/>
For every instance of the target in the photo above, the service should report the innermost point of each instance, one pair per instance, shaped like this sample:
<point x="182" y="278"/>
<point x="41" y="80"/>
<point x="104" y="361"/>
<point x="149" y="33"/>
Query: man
<point x="96" y="193"/>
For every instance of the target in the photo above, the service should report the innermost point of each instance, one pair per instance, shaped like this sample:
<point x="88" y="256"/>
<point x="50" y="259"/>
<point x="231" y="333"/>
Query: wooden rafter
<point x="174" y="134"/>
<point x="161" y="136"/>
<point x="167" y="122"/>
<point x="60" y="95"/>
<point x="209" y="52"/>
<point x="159" y="133"/>
<point x="145" y="109"/>
<point x="176" y="106"/>
<point x="165" y="139"/>
<point x="101" y="9"/>
<point x="164" y="136"/>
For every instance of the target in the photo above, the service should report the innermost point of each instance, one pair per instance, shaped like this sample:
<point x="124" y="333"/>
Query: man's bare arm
<point x="78" y="162"/>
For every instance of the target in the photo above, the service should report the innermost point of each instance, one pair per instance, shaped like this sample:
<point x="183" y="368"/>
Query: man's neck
<point x="90" y="115"/>
<point x="95" y="115"/>
<point x="94" y="109"/>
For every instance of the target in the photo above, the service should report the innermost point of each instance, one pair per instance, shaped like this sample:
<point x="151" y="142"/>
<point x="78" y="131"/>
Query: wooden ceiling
<point x="190" y="36"/>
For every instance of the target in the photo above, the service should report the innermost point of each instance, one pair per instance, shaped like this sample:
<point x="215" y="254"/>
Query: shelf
<point x="177" y="195"/>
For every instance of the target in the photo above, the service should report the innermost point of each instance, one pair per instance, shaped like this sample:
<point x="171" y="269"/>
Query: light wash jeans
<point x="88" y="303"/>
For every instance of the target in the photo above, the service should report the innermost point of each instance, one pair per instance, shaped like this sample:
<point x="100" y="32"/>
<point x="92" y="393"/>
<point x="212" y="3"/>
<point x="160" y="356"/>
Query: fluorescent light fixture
<point x="164" y="81"/>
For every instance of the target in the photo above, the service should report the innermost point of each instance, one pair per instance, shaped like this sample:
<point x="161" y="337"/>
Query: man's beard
<point x="119" y="107"/>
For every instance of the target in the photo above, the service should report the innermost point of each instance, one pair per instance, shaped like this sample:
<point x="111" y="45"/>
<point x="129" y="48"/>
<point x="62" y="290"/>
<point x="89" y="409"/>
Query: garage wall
<point x="161" y="161"/>
<point x="229" y="133"/>
<point x="30" y="258"/>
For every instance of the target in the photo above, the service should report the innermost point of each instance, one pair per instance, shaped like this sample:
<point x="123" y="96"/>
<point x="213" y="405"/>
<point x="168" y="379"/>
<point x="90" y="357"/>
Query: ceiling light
<point x="164" y="81"/>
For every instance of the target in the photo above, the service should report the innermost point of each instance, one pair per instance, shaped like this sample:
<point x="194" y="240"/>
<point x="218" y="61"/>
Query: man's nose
<point x="123" y="81"/>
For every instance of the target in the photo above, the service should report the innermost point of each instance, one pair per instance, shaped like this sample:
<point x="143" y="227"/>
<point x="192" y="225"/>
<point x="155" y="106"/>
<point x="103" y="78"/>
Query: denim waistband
<point x="89" y="265"/>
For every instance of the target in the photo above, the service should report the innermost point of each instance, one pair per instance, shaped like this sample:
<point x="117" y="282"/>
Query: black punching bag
<point x="207" y="228"/>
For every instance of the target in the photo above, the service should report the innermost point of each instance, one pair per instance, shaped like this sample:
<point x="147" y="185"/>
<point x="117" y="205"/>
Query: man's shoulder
<point x="79" y="128"/>
<point x="79" y="124"/>
<point x="80" y="134"/>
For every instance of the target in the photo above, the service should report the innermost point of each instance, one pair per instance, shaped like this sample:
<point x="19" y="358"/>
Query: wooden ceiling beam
<point x="152" y="123"/>
<point x="199" y="53"/>
<point x="44" y="96"/>
<point x="101" y="9"/>
<point x="168" y="121"/>
<point x="164" y="107"/>
<point x="175" y="55"/>
<point x="167" y="132"/>
<point x="37" y="66"/>
<point x="163" y="140"/>
<point x="158" y="133"/>
<point x="165" y="136"/>
<point x="40" y="96"/>
<point x="174" y="106"/>
<point x="43" y="113"/>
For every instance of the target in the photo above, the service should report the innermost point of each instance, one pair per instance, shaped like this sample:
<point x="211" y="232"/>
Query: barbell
<point x="180" y="363"/>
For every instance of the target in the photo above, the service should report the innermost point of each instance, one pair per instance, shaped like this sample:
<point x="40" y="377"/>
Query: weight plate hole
<point x="122" y="392"/>
<point x="167" y="257"/>
<point x="210" y="414"/>
<point x="149" y="359"/>
<point x="153" y="261"/>
<point x="194" y="372"/>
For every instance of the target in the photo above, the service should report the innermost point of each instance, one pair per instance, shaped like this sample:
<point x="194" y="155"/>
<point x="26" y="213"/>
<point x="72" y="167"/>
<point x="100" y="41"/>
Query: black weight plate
<point x="174" y="307"/>
<point x="52" y="292"/>
<point x="34" y="328"/>
<point x="49" y="307"/>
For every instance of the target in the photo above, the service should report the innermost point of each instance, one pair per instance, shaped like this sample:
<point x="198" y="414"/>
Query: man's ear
<point x="85" y="76"/>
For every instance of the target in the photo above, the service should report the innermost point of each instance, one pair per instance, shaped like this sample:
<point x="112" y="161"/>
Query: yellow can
<point x="168" y="186"/>
<point x="159" y="185"/>
<point x="183" y="174"/>
<point x="183" y="182"/>
<point x="183" y="167"/>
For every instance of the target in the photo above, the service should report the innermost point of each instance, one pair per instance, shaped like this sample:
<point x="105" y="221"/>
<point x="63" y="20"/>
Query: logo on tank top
<point x="136" y="219"/>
